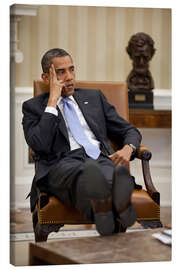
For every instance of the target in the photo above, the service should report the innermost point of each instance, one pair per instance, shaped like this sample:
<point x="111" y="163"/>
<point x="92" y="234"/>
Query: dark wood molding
<point x="150" y="118"/>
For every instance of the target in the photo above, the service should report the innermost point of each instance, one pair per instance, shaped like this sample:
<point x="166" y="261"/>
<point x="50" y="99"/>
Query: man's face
<point x="65" y="71"/>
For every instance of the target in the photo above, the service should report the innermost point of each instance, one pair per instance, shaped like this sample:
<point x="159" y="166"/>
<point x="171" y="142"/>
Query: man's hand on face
<point x="122" y="157"/>
<point x="56" y="87"/>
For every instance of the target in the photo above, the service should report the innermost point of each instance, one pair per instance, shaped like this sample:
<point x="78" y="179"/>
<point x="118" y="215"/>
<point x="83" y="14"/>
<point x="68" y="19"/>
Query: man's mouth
<point x="69" y="86"/>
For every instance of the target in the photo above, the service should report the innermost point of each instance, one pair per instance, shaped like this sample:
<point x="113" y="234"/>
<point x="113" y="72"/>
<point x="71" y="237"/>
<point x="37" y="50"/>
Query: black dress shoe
<point x="97" y="190"/>
<point x="121" y="193"/>
<point x="119" y="227"/>
<point x="103" y="216"/>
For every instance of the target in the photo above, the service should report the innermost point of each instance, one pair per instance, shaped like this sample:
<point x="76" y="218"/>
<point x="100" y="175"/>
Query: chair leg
<point x="152" y="224"/>
<point x="39" y="235"/>
<point x="41" y="231"/>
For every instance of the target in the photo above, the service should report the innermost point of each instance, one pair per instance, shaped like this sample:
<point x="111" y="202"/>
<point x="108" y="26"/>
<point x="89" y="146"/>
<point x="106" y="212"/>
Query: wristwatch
<point x="132" y="146"/>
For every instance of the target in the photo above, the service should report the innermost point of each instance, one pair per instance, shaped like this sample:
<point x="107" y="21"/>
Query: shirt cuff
<point x="51" y="110"/>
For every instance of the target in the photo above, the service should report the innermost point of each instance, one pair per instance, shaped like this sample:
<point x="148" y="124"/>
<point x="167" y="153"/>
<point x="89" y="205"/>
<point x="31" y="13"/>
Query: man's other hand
<point x="122" y="157"/>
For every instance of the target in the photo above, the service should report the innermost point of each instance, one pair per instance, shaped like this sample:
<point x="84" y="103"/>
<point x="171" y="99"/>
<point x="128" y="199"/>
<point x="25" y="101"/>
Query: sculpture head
<point x="141" y="49"/>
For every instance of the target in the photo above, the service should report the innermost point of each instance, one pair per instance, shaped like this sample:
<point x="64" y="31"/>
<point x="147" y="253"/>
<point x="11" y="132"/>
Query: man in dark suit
<point x="68" y="128"/>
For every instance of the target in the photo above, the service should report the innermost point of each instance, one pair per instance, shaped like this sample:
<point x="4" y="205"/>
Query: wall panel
<point x="97" y="38"/>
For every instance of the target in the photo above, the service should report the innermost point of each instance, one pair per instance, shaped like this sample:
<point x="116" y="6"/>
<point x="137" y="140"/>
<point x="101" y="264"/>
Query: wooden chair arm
<point x="145" y="155"/>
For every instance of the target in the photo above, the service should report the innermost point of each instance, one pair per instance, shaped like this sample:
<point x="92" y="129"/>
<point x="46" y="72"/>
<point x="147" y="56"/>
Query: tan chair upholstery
<point x="114" y="91"/>
<point x="49" y="210"/>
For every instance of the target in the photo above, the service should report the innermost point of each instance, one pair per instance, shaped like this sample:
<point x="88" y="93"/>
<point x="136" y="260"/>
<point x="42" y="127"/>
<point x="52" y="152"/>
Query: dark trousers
<point x="64" y="179"/>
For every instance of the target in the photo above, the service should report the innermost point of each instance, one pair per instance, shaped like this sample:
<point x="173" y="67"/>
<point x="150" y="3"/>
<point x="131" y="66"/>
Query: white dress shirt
<point x="73" y="143"/>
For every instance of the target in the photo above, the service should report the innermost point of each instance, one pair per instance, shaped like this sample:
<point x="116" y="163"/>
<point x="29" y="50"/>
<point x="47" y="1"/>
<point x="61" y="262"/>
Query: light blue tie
<point x="77" y="130"/>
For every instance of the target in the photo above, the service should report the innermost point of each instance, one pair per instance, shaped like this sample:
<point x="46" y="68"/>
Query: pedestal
<point x="140" y="99"/>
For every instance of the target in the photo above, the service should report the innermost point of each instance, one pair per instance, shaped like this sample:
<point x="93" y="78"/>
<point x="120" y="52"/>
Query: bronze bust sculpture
<point x="140" y="49"/>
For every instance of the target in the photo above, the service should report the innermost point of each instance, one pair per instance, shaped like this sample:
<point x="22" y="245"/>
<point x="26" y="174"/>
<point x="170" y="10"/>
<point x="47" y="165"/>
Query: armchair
<point x="51" y="214"/>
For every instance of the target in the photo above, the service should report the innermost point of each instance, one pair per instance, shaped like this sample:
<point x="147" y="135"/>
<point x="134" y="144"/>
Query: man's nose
<point x="68" y="76"/>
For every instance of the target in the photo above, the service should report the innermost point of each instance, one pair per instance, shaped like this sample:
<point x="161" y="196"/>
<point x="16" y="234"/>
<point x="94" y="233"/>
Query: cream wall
<point x="96" y="37"/>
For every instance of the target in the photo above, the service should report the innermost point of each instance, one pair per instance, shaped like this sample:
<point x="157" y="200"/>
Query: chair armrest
<point x="145" y="155"/>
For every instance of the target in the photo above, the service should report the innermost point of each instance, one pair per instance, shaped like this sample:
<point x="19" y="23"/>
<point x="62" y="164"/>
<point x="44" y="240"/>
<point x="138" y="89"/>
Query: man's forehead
<point x="62" y="61"/>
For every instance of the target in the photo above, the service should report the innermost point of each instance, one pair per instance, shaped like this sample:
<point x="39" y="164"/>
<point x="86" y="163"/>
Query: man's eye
<point x="59" y="72"/>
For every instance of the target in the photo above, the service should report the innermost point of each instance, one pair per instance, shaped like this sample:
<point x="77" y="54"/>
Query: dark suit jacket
<point x="47" y="134"/>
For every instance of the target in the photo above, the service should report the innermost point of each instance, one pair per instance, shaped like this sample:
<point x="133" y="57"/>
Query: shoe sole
<point x="104" y="223"/>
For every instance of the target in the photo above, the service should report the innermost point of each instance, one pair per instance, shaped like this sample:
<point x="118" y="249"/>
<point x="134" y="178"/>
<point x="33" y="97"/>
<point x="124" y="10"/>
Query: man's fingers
<point x="115" y="158"/>
<point x="53" y="71"/>
<point x="120" y="158"/>
<point x="50" y="74"/>
<point x="112" y="157"/>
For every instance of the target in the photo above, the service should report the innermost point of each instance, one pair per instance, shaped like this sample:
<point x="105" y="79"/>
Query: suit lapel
<point x="85" y="108"/>
<point x="61" y="122"/>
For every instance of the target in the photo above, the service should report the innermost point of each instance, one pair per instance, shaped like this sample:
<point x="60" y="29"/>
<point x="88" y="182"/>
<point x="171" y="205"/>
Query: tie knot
<point x="65" y="100"/>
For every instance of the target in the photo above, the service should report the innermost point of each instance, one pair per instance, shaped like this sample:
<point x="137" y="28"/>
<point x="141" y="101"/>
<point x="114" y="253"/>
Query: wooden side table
<point x="150" y="118"/>
<point x="137" y="246"/>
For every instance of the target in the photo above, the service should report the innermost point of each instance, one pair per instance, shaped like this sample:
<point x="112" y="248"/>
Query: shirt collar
<point x="60" y="100"/>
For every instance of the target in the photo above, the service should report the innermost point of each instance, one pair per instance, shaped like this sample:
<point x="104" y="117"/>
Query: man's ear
<point x="45" y="77"/>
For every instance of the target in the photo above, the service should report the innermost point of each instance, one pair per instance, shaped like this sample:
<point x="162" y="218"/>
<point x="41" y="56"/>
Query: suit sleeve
<point x="118" y="129"/>
<point x="39" y="128"/>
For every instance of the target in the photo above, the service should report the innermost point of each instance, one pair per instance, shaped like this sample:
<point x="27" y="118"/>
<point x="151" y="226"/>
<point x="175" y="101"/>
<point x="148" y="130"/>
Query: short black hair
<point x="49" y="55"/>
